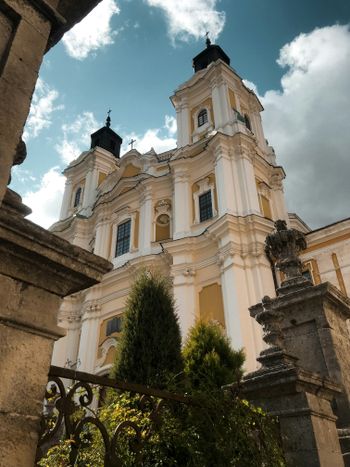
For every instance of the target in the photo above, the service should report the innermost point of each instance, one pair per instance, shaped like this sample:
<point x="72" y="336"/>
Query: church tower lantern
<point x="107" y="139"/>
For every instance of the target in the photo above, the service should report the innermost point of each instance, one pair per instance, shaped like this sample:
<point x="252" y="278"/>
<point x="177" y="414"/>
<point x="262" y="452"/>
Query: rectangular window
<point x="123" y="238"/>
<point x="114" y="325"/>
<point x="205" y="206"/>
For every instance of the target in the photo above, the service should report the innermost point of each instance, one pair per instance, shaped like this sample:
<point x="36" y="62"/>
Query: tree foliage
<point x="218" y="428"/>
<point x="209" y="360"/>
<point x="149" y="351"/>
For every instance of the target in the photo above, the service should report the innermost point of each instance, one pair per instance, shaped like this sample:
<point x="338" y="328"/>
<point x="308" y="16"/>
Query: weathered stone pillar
<point x="302" y="402"/>
<point x="37" y="269"/>
<point x="313" y="322"/>
<point x="293" y="382"/>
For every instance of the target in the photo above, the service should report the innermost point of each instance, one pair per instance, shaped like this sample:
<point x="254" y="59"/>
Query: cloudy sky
<point x="129" y="55"/>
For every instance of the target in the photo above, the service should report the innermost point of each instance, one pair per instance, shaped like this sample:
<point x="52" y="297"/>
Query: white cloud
<point x="76" y="136"/>
<point x="191" y="18"/>
<point x="45" y="202"/>
<point x="160" y="139"/>
<point x="93" y="32"/>
<point x="308" y="123"/>
<point x="42" y="107"/>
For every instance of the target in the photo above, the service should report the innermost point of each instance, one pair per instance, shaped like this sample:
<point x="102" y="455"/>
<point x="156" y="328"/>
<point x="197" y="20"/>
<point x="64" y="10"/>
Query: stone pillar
<point x="313" y="320"/>
<point x="67" y="199"/>
<point x="37" y="269"/>
<point x="301" y="399"/>
<point x="302" y="402"/>
<point x="102" y="239"/>
<point x="146" y="217"/>
<point x="225" y="186"/>
<point x="249" y="194"/>
<point x="185" y="299"/>
<point x="89" y="336"/>
<point x="182" y="203"/>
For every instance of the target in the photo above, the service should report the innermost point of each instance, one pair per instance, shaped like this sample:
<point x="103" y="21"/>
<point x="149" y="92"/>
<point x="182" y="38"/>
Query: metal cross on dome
<point x="132" y="143"/>
<point x="108" y="119"/>
<point x="207" y="41"/>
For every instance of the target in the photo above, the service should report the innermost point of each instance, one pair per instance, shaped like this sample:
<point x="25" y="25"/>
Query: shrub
<point x="209" y="360"/>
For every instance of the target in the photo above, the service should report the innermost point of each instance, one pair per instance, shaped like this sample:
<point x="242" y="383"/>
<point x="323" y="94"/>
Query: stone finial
<point x="271" y="323"/>
<point x="283" y="247"/>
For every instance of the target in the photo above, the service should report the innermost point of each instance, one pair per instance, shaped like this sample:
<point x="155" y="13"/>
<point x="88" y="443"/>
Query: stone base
<point x="302" y="402"/>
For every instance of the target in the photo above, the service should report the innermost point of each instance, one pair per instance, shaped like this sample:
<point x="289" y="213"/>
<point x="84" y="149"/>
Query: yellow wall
<point x="101" y="177"/>
<point x="265" y="206"/>
<point x="232" y="99"/>
<point x="339" y="274"/>
<point x="130" y="171"/>
<point x="211" y="305"/>
<point x="162" y="232"/>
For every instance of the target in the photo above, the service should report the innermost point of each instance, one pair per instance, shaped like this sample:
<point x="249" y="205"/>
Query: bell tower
<point x="215" y="100"/>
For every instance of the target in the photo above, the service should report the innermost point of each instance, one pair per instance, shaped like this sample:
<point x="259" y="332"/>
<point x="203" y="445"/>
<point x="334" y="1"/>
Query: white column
<point x="240" y="326"/>
<point x="218" y="115"/>
<point x="258" y="129"/>
<point x="225" y="185"/>
<point x="91" y="182"/>
<point x="225" y="107"/>
<point x="279" y="208"/>
<point x="67" y="199"/>
<point x="249" y="194"/>
<point x="185" y="300"/>
<point x="89" y="337"/>
<point x="182" y="204"/>
<point x="102" y="239"/>
<point x="231" y="302"/>
<point x="87" y="188"/>
<point x="146" y="218"/>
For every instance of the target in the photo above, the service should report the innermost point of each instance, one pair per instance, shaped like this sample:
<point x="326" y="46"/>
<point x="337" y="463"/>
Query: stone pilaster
<point x="37" y="269"/>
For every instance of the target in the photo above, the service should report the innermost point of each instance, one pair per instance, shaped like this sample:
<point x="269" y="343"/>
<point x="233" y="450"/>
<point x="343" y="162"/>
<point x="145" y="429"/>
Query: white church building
<point x="199" y="213"/>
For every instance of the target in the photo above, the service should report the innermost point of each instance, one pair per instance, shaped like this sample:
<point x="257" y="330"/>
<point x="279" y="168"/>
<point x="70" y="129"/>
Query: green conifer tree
<point x="209" y="360"/>
<point x="149" y="351"/>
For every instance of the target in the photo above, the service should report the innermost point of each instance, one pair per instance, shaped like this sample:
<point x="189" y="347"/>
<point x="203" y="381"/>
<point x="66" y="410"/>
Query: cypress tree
<point x="149" y="351"/>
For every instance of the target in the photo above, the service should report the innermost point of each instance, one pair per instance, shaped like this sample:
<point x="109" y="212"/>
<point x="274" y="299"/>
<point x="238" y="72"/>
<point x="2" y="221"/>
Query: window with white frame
<point x="77" y="197"/>
<point x="205" y="206"/>
<point x="202" y="117"/>
<point x="114" y="325"/>
<point x="203" y="198"/>
<point x="123" y="238"/>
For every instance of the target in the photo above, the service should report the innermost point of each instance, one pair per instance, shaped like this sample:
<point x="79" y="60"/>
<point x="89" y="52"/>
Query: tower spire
<point x="108" y="119"/>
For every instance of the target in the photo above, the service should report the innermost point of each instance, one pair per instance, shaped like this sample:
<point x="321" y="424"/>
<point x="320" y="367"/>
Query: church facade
<point x="199" y="213"/>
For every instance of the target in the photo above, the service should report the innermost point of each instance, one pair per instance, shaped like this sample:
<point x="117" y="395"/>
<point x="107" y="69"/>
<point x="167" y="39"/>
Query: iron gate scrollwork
<point x="69" y="411"/>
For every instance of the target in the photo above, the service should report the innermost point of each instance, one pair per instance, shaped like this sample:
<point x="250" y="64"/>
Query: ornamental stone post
<point x="313" y="322"/>
<point x="298" y="380"/>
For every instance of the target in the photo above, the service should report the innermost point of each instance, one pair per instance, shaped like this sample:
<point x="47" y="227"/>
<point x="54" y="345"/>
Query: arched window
<point x="247" y="122"/>
<point x="202" y="117"/>
<point x="77" y="197"/>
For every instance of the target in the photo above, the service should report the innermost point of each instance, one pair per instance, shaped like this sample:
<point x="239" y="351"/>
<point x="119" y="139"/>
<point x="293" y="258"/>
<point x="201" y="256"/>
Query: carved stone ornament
<point x="283" y="247"/>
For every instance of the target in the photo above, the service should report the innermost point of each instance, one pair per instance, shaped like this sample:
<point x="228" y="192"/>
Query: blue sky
<point x="129" y="55"/>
